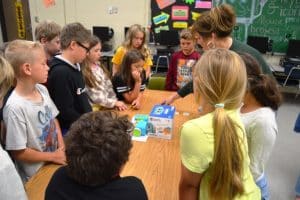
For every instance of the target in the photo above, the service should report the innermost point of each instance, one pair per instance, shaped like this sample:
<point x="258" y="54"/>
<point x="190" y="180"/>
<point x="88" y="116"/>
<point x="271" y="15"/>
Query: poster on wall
<point x="170" y="15"/>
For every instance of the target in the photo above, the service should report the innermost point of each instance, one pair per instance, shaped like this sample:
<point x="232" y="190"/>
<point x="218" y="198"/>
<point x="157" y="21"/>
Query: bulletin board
<point x="176" y="14"/>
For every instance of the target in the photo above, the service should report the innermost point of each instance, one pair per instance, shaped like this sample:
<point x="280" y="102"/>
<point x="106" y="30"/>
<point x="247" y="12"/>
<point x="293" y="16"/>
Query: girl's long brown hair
<point x="220" y="77"/>
<point x="131" y="57"/>
<point x="89" y="78"/>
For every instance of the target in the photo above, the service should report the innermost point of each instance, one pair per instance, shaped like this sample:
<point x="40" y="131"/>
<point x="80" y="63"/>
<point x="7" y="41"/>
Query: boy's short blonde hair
<point x="47" y="29"/>
<point x="186" y="34"/>
<point x="19" y="52"/>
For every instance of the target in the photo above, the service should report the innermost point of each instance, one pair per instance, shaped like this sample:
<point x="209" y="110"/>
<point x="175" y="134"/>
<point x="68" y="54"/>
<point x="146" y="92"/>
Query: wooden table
<point x="156" y="162"/>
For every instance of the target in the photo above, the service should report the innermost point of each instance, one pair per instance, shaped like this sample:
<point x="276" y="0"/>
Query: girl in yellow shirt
<point x="135" y="39"/>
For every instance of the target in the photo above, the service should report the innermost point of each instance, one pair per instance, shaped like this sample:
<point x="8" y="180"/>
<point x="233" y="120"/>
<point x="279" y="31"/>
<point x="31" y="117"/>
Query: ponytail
<point x="226" y="168"/>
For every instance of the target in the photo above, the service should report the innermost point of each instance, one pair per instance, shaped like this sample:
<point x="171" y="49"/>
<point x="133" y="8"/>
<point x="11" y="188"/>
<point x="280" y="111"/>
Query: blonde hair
<point x="6" y="78"/>
<point x="220" y="77"/>
<point x="131" y="33"/>
<point x="19" y="52"/>
<point x="186" y="34"/>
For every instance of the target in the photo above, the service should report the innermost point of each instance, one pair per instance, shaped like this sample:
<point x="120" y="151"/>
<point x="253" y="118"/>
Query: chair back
<point x="156" y="83"/>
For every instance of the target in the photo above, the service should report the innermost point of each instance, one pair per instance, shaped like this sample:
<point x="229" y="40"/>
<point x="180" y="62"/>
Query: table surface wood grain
<point x="156" y="162"/>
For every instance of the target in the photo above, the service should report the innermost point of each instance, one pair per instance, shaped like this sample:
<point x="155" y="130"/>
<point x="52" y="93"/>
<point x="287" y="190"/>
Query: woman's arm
<point x="189" y="184"/>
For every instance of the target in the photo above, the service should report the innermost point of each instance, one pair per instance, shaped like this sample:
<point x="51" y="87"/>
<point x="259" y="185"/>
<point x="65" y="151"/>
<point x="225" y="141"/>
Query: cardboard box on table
<point x="160" y="122"/>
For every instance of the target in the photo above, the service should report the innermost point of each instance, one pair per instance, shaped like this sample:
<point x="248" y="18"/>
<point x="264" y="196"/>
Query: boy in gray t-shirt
<point x="33" y="134"/>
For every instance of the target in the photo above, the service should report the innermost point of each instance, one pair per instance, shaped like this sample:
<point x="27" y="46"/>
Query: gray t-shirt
<point x="30" y="125"/>
<point x="261" y="130"/>
<point x="11" y="186"/>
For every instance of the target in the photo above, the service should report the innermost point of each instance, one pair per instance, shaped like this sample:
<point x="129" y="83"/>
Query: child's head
<point x="6" y="78"/>
<point x="133" y="60"/>
<point x="220" y="78"/>
<point x="261" y="86"/>
<point x="28" y="60"/>
<point x="220" y="82"/>
<point x="187" y="43"/>
<point x="97" y="147"/>
<point x="75" y="38"/>
<point x="135" y="37"/>
<point x="47" y="33"/>
<point x="95" y="50"/>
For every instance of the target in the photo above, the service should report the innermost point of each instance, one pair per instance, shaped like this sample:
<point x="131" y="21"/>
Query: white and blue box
<point x="160" y="122"/>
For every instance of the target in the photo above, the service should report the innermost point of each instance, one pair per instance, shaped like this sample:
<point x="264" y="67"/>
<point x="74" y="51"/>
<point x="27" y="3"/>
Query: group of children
<point x="223" y="152"/>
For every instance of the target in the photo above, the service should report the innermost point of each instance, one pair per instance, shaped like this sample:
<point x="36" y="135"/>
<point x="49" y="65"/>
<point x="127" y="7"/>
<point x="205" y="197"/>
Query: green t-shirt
<point x="197" y="151"/>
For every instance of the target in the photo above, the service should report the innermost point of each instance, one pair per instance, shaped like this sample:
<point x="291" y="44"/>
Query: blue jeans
<point x="263" y="186"/>
<point x="297" y="188"/>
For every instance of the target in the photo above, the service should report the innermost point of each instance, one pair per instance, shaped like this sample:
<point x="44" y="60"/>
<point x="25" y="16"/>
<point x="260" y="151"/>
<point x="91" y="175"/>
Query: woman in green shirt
<point x="213" y="30"/>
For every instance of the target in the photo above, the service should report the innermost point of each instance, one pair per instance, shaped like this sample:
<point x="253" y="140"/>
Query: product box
<point x="160" y="122"/>
<point x="140" y="122"/>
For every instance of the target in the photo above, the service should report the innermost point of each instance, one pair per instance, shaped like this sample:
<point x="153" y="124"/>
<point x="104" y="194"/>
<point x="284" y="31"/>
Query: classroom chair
<point x="293" y="73"/>
<point x="156" y="83"/>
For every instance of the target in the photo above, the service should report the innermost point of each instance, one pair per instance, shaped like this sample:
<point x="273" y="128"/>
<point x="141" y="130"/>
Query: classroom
<point x="139" y="77"/>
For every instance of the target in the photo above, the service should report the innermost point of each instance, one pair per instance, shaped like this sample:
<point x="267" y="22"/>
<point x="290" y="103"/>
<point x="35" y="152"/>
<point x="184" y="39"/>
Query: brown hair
<point x="219" y="20"/>
<point x="131" y="33"/>
<point x="19" y="52"/>
<point x="47" y="29"/>
<point x="131" y="57"/>
<point x="88" y="75"/>
<point x="73" y="32"/>
<point x="212" y="83"/>
<point x="97" y="146"/>
<point x="261" y="86"/>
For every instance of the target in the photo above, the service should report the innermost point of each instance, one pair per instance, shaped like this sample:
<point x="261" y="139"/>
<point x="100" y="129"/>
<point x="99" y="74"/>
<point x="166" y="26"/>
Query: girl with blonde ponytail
<point x="215" y="163"/>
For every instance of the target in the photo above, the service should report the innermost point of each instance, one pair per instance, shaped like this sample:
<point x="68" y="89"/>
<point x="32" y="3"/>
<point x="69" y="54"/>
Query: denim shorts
<point x="264" y="188"/>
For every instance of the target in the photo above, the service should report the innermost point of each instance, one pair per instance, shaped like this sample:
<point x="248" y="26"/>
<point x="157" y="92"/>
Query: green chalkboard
<point x="277" y="19"/>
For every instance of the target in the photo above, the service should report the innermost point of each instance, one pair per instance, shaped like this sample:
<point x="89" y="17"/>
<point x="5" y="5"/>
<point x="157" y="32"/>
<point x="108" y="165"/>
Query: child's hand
<point x="59" y="156"/>
<point x="136" y="104"/>
<point x="121" y="106"/>
<point x="136" y="76"/>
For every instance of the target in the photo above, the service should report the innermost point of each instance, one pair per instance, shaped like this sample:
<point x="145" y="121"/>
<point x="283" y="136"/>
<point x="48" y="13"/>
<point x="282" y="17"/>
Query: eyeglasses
<point x="81" y="45"/>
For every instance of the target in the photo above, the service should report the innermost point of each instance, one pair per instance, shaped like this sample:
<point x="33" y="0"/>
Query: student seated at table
<point x="182" y="62"/>
<point x="97" y="148"/>
<point x="135" y="39"/>
<point x="215" y="163"/>
<point x="130" y="82"/>
<point x="33" y="134"/>
<point x="98" y="84"/>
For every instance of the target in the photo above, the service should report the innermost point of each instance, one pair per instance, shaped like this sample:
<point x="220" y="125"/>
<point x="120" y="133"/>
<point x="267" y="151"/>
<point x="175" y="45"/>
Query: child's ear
<point x="73" y="44"/>
<point x="26" y="69"/>
<point x="43" y="40"/>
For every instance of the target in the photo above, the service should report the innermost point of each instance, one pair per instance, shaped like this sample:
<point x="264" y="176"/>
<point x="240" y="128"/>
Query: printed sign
<point x="180" y="12"/>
